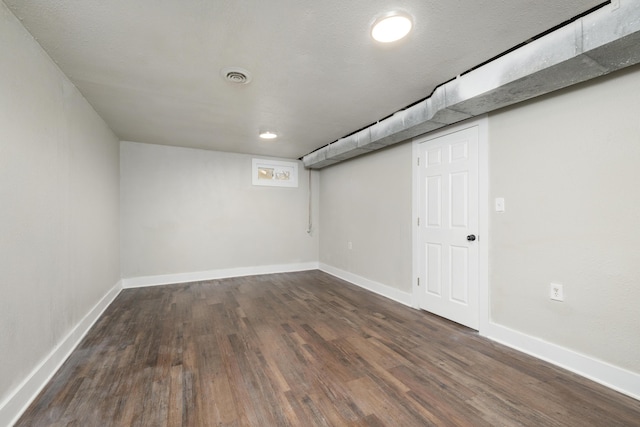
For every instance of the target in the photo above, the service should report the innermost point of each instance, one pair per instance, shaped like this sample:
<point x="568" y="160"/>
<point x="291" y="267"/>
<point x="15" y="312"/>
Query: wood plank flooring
<point x="304" y="349"/>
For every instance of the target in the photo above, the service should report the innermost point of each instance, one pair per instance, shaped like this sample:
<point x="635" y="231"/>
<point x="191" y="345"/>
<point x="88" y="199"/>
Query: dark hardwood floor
<point x="304" y="349"/>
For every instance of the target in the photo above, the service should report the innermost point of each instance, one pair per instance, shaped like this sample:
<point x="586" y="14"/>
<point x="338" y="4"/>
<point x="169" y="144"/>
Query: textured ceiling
<point x="151" y="68"/>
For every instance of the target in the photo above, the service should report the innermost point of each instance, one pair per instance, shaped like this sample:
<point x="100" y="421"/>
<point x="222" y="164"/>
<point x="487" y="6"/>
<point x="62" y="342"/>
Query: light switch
<point x="499" y="204"/>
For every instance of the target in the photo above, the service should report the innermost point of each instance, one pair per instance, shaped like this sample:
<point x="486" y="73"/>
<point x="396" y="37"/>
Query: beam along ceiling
<point x="152" y="69"/>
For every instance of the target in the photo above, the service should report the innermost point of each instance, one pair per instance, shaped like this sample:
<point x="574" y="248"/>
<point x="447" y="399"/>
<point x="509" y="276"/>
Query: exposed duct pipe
<point x="594" y="45"/>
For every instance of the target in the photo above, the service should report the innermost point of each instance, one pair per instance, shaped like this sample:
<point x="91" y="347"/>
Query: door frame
<point x="482" y="123"/>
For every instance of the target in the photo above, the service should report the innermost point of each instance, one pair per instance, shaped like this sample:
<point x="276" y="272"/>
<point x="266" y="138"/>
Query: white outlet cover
<point x="499" y="204"/>
<point x="556" y="292"/>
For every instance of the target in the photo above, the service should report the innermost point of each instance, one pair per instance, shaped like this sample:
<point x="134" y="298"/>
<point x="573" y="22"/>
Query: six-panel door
<point x="448" y="209"/>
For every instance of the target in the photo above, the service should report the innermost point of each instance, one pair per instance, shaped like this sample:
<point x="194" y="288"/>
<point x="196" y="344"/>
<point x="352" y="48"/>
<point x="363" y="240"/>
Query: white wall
<point x="568" y="168"/>
<point x="186" y="210"/>
<point x="58" y="207"/>
<point x="367" y="201"/>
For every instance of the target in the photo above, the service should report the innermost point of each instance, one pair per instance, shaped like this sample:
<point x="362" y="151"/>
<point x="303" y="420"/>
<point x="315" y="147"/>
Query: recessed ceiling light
<point x="391" y="26"/>
<point x="268" y="134"/>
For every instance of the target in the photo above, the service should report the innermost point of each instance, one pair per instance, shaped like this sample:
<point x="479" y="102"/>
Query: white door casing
<point x="448" y="222"/>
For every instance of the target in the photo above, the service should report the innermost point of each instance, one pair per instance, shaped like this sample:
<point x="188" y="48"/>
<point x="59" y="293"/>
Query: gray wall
<point x="58" y="205"/>
<point x="185" y="210"/>
<point x="367" y="201"/>
<point x="568" y="167"/>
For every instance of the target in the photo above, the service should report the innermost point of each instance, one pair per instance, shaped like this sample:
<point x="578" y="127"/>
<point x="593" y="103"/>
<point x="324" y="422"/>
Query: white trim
<point x="483" y="212"/>
<point x="616" y="378"/>
<point x="13" y="407"/>
<point x="415" y="212"/>
<point x="482" y="123"/>
<point x="169" y="279"/>
<point x="370" y="285"/>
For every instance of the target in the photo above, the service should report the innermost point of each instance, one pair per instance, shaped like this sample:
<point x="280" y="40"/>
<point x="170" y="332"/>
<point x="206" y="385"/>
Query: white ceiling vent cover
<point x="236" y="75"/>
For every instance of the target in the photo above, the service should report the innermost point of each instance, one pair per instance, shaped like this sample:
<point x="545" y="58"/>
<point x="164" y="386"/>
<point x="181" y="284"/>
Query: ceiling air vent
<point x="236" y="75"/>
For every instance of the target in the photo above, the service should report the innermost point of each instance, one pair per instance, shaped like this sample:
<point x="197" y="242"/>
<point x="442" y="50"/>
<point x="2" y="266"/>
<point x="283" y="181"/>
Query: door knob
<point x="471" y="237"/>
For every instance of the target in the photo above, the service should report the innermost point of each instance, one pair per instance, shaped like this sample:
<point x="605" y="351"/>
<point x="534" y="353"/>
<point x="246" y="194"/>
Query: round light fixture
<point x="391" y="27"/>
<point x="267" y="134"/>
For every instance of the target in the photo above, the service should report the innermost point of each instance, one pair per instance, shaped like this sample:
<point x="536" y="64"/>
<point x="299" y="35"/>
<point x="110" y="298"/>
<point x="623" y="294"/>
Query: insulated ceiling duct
<point x="594" y="45"/>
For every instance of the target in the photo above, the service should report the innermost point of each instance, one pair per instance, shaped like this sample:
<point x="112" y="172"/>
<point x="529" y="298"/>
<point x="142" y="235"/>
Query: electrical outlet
<point x="557" y="293"/>
<point x="349" y="245"/>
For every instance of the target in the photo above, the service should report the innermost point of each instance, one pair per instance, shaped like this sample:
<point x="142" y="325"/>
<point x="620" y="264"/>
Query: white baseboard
<point x="616" y="378"/>
<point x="168" y="279"/>
<point x="621" y="380"/>
<point x="370" y="285"/>
<point x="13" y="407"/>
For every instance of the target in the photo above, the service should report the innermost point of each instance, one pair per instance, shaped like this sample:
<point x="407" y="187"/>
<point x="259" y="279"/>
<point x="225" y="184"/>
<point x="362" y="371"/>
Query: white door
<point x="448" y="225"/>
